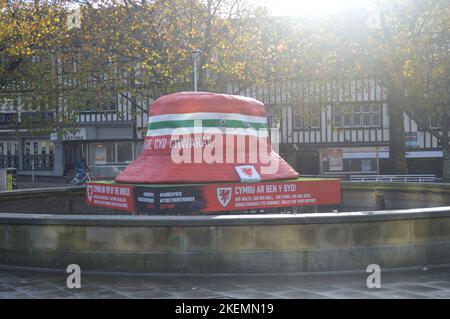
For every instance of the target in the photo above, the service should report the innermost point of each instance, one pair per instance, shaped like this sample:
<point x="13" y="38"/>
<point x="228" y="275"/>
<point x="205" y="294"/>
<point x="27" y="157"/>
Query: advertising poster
<point x="100" y="154"/>
<point x="336" y="160"/>
<point x="178" y="199"/>
<point x="411" y="139"/>
<point x="116" y="196"/>
<point x="204" y="198"/>
<point x="245" y="196"/>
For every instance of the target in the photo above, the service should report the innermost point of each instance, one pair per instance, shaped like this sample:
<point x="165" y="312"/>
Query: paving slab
<point x="398" y="284"/>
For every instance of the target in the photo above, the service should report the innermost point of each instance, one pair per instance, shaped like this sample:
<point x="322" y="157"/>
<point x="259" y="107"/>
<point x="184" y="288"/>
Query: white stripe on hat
<point x="207" y="116"/>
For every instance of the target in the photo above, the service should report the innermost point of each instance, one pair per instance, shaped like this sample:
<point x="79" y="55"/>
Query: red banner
<point x="110" y="195"/>
<point x="191" y="199"/>
<point x="272" y="194"/>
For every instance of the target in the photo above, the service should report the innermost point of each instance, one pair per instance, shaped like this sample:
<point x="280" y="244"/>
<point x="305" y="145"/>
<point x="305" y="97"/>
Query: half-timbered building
<point x="342" y="127"/>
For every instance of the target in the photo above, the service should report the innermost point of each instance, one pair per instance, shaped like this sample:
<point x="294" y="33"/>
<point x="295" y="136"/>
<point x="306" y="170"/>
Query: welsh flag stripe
<point x="205" y="123"/>
<point x="205" y="130"/>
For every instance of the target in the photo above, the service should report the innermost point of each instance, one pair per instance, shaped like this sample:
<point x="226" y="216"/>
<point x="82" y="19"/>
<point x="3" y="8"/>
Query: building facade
<point x="107" y="140"/>
<point x="342" y="128"/>
<point x="329" y="128"/>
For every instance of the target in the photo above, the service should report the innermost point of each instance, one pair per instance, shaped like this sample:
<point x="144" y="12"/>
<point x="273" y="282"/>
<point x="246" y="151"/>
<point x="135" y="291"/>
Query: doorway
<point x="74" y="151"/>
<point x="308" y="163"/>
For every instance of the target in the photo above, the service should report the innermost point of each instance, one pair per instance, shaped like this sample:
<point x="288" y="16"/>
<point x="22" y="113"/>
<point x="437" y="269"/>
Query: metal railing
<point x="417" y="178"/>
<point x="9" y="161"/>
<point x="38" y="162"/>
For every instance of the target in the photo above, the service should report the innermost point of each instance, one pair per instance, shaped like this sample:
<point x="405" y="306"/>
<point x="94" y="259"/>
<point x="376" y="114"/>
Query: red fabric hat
<point x="197" y="137"/>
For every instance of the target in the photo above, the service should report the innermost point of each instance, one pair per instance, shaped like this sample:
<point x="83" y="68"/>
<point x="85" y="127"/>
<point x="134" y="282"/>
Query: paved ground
<point x="435" y="283"/>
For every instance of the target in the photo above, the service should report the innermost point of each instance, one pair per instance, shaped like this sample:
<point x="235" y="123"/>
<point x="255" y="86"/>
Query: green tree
<point x="405" y="49"/>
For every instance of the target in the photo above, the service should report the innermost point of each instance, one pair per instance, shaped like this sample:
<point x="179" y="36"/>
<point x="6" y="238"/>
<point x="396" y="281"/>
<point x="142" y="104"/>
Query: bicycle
<point x="86" y="178"/>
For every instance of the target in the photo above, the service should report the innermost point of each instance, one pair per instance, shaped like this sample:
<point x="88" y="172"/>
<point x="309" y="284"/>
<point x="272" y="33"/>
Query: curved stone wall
<point x="355" y="196"/>
<point x="55" y="200"/>
<point x="233" y="243"/>
<point x="364" y="195"/>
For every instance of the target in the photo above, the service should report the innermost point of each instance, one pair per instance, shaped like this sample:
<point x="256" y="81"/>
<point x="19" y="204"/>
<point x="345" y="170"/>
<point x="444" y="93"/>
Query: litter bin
<point x="8" y="179"/>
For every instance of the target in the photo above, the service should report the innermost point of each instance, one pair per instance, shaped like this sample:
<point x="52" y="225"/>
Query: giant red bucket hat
<point x="198" y="137"/>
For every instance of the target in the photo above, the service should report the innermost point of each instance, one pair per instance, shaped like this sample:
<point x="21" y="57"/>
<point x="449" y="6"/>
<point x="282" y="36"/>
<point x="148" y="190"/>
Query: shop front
<point x="375" y="160"/>
<point x="352" y="160"/>
<point x="106" y="151"/>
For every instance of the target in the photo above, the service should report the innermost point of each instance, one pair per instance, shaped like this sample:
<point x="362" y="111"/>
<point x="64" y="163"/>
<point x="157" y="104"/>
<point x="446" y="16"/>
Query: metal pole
<point x="32" y="170"/>
<point x="195" y="74"/>
<point x="195" y="55"/>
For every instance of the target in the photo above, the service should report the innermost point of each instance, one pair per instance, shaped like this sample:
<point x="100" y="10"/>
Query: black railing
<point x="9" y="161"/>
<point x="423" y="178"/>
<point x="41" y="162"/>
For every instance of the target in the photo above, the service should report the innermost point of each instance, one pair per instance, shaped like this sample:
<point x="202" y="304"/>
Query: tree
<point x="29" y="33"/>
<point x="140" y="49"/>
<point x="408" y="50"/>
<point x="136" y="49"/>
<point x="412" y="47"/>
<point x="405" y="49"/>
<point x="427" y="74"/>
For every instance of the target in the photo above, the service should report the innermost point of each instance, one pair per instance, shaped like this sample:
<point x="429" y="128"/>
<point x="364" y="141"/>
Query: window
<point x="356" y="120"/>
<point x="107" y="153"/>
<point x="102" y="153"/>
<point x="435" y="121"/>
<point x="315" y="120"/>
<point x="8" y="118"/>
<point x="38" y="155"/>
<point x="124" y="152"/>
<point x="337" y="120"/>
<point x="298" y="121"/>
<point x="95" y="104"/>
<point x="9" y="154"/>
<point x="334" y="162"/>
<point x="376" y="120"/>
<point x="376" y="108"/>
<point x="347" y="120"/>
<point x="367" y="120"/>
<point x="366" y="115"/>
<point x="308" y="118"/>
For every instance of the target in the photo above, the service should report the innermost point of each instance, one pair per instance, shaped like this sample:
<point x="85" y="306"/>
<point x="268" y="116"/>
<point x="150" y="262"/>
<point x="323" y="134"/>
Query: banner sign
<point x="411" y="139"/>
<point x="110" y="196"/>
<point x="198" y="198"/>
<point x="335" y="159"/>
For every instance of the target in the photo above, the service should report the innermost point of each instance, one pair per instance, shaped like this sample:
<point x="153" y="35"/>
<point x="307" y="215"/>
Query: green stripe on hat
<point x="206" y="123"/>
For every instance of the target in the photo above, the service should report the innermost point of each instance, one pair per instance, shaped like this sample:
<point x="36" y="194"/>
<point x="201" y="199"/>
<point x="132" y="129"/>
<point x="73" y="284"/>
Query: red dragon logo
<point x="247" y="171"/>
<point x="90" y="192"/>
<point x="224" y="195"/>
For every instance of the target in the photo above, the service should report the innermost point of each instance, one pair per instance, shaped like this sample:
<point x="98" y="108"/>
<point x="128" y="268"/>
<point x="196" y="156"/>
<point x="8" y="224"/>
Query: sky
<point x="309" y="7"/>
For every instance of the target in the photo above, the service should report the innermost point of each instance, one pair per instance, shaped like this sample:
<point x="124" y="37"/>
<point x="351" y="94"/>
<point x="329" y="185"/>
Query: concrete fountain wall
<point x="235" y="243"/>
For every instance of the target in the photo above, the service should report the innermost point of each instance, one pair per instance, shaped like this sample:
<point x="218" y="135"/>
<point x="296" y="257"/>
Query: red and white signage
<point x="117" y="196"/>
<point x="247" y="196"/>
<point x="201" y="198"/>
<point x="248" y="174"/>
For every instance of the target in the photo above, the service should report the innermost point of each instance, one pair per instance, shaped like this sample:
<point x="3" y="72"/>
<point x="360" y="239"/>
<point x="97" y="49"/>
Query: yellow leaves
<point x="408" y="69"/>
<point x="438" y="72"/>
<point x="25" y="29"/>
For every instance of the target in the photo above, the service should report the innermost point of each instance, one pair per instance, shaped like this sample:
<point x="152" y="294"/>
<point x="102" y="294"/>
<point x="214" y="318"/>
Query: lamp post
<point x="195" y="55"/>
